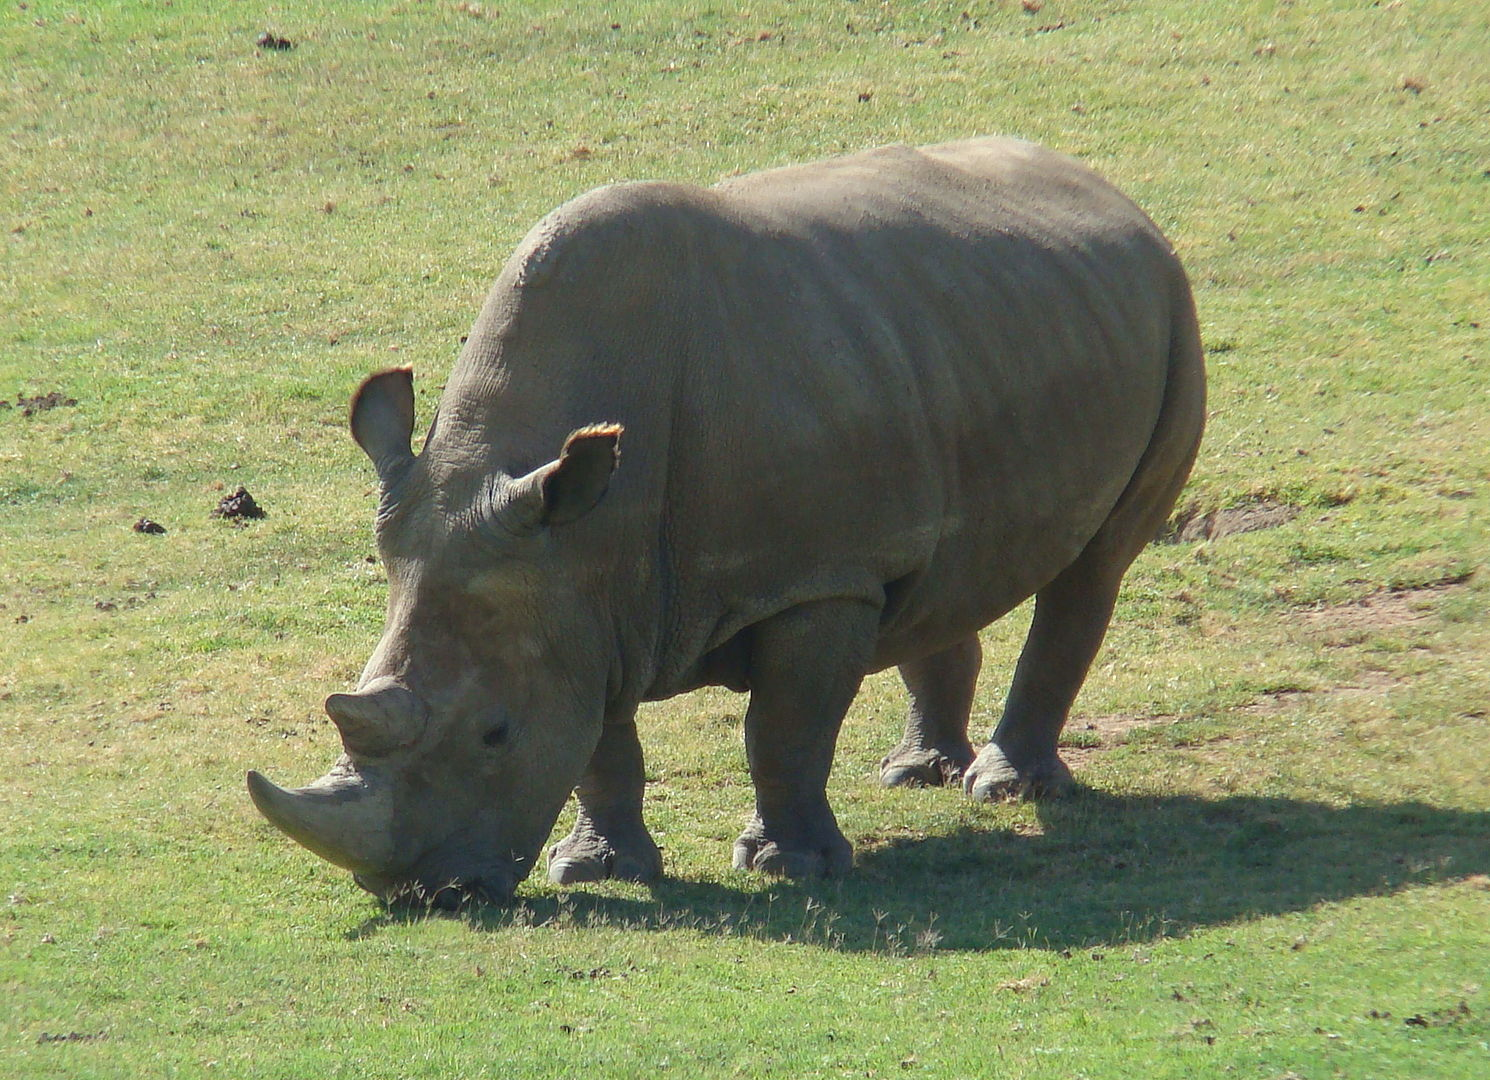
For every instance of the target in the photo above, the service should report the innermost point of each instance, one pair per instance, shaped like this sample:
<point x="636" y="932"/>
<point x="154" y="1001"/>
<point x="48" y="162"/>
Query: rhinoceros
<point x="771" y="435"/>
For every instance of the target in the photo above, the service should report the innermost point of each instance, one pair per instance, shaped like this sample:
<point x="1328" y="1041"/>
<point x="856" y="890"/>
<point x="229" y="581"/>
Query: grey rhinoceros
<point x="869" y="405"/>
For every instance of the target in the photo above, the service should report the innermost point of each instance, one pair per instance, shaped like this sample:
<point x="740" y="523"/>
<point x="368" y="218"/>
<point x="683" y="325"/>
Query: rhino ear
<point x="568" y="488"/>
<point x="382" y="420"/>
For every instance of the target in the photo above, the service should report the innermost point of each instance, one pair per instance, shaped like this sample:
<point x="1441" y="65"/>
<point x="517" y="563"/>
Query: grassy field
<point x="1279" y="862"/>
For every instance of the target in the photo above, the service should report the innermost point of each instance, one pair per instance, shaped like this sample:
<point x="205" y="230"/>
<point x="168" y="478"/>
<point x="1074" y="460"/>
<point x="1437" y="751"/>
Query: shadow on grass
<point x="1107" y="870"/>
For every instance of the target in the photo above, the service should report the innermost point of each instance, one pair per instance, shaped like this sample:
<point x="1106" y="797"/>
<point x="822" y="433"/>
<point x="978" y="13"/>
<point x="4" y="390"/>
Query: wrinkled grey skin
<point x="869" y="406"/>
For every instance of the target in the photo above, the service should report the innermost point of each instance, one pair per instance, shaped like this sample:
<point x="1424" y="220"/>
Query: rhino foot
<point x="994" y="778"/>
<point x="585" y="855"/>
<point x="935" y="767"/>
<point x="809" y="853"/>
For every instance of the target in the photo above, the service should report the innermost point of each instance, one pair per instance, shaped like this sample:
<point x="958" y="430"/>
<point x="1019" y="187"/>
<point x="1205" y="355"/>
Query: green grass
<point x="1278" y="867"/>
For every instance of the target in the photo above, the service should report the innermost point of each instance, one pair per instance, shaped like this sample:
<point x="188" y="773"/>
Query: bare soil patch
<point x="1192" y="525"/>
<point x="1092" y="735"/>
<point x="30" y="406"/>
<point x="1087" y="737"/>
<point x="71" y="1036"/>
<point x="1367" y="684"/>
<point x="1385" y="609"/>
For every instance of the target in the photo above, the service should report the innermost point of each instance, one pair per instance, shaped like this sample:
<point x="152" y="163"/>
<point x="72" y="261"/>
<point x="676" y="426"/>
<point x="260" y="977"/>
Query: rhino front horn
<point x="341" y="817"/>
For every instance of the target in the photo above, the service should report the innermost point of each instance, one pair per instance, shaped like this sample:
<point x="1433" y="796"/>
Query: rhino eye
<point x="496" y="736"/>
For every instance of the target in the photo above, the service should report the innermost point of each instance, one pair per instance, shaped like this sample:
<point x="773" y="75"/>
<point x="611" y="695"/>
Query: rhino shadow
<point x="1105" y="870"/>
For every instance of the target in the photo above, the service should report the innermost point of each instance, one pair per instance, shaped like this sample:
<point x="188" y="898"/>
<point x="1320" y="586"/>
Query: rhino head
<point x="482" y="703"/>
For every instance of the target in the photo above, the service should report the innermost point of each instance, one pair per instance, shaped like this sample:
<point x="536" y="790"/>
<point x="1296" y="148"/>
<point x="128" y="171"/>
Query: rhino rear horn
<point x="380" y="717"/>
<point x="382" y="421"/>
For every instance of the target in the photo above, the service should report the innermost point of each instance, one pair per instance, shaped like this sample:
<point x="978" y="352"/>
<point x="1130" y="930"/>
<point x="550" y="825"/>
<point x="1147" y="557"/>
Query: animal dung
<point x="238" y="506"/>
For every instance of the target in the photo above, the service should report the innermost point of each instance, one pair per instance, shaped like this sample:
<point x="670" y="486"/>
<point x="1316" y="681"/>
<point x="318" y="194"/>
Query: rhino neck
<point x="576" y="333"/>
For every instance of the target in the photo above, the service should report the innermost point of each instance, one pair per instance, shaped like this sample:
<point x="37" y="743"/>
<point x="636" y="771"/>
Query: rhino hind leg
<point x="1020" y="760"/>
<point x="1072" y="612"/>
<point x="935" y="749"/>
<point x="805" y="668"/>
<point x="1071" y="617"/>
<point x="609" y="839"/>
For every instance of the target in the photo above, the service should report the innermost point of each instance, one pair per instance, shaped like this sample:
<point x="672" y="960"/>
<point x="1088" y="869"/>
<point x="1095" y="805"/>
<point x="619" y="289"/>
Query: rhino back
<point x="919" y="377"/>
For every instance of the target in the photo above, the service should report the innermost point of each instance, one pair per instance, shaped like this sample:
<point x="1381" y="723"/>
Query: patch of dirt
<point x="1026" y="984"/>
<point x="1192" y="525"/>
<point x="30" y="406"/>
<point x="72" y="1036"/>
<point x="238" y="506"/>
<point x="1091" y="735"/>
<point x="1367" y="684"/>
<point x="1454" y="1014"/>
<point x="1087" y="737"/>
<point x="1385" y="609"/>
<point x="127" y="603"/>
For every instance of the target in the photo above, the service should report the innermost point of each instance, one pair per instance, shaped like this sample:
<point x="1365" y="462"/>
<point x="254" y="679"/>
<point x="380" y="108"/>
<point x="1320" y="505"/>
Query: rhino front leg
<point x="609" y="839"/>
<point x="935" y="748"/>
<point x="805" y="668"/>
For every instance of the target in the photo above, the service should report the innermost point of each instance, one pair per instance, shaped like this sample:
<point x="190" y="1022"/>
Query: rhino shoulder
<point x="599" y="226"/>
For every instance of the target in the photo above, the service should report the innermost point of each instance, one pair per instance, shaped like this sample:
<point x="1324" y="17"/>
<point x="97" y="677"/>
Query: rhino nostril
<point x="496" y="736"/>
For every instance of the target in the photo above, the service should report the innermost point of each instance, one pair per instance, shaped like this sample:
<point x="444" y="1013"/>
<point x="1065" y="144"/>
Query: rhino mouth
<point x="494" y="886"/>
